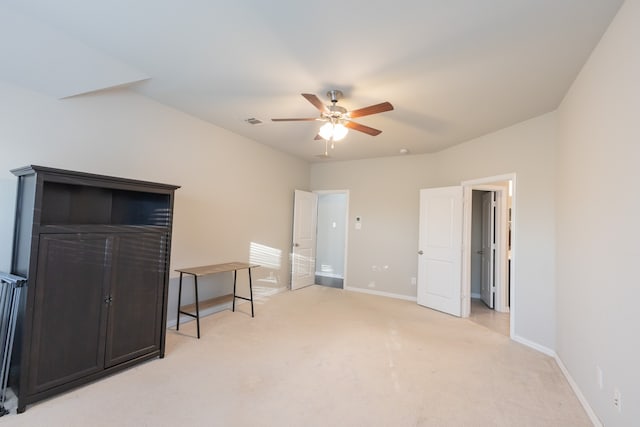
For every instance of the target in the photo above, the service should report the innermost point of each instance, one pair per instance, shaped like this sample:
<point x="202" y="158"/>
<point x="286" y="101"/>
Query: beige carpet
<point x="326" y="357"/>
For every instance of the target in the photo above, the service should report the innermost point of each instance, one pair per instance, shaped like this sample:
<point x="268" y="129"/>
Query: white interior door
<point x="303" y="254"/>
<point x="440" y="249"/>
<point x="487" y="289"/>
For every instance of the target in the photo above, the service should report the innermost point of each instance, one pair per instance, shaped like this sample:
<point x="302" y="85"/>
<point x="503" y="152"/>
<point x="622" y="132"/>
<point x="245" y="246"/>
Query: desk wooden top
<point x="216" y="268"/>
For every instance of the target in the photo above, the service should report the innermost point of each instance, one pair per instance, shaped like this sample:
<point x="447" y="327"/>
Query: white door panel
<point x="440" y="252"/>
<point x="303" y="261"/>
<point x="487" y="289"/>
<point x="436" y="270"/>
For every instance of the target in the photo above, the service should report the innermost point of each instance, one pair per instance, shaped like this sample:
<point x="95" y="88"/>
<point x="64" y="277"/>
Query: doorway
<point x="484" y="283"/>
<point x="488" y="256"/>
<point x="331" y="238"/>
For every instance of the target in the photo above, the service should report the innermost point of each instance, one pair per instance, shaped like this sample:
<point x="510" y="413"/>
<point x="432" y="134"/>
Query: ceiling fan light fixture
<point x="333" y="131"/>
<point x="326" y="131"/>
<point x="339" y="131"/>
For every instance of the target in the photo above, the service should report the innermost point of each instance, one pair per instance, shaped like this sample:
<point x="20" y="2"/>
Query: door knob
<point x="295" y="245"/>
<point x="420" y="252"/>
<point x="479" y="252"/>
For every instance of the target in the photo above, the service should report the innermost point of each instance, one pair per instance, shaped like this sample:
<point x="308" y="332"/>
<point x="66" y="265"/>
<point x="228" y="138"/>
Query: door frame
<point x="346" y="229"/>
<point x="506" y="276"/>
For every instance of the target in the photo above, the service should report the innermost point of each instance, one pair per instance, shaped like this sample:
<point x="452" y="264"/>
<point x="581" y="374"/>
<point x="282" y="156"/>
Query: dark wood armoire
<point x="95" y="252"/>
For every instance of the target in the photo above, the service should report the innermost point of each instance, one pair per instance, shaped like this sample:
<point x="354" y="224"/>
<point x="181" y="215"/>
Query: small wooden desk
<point x="213" y="269"/>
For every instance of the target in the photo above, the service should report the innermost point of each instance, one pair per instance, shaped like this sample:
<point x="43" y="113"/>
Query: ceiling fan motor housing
<point x="334" y="95"/>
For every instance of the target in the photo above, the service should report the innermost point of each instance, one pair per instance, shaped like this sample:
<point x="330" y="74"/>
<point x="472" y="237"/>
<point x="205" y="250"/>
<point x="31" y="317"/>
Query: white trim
<point x="381" y="293"/>
<point x="475" y="296"/>
<point x="574" y="386"/>
<point x="490" y="179"/>
<point x="534" y="345"/>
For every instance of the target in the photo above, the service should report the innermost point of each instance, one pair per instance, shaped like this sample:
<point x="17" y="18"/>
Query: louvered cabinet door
<point x="67" y="340"/>
<point x="136" y="292"/>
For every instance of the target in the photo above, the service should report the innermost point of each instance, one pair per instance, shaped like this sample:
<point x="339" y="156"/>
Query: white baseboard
<point x="574" y="386"/>
<point x="381" y="293"/>
<point x="534" y="345"/>
<point x="476" y="296"/>
<point x="583" y="401"/>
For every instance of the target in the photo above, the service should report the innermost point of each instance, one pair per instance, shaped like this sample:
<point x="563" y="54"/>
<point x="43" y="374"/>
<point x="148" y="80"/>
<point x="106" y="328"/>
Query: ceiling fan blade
<point x="315" y="101"/>
<point x="362" y="128"/>
<point x="303" y="119"/>
<point x="372" y="109"/>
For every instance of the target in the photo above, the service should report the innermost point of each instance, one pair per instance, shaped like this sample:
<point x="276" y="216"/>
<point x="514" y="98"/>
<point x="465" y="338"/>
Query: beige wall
<point x="234" y="191"/>
<point x="385" y="193"/>
<point x="598" y="289"/>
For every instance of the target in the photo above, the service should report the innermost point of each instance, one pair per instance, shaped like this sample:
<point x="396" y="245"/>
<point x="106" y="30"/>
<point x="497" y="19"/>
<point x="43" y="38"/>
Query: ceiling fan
<point x="337" y="119"/>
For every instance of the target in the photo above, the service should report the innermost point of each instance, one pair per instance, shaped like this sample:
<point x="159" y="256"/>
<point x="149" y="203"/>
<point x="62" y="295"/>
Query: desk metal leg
<point x="197" y="315"/>
<point x="195" y="283"/>
<point x="235" y="275"/>
<point x="179" y="298"/>
<point x="250" y="291"/>
<point x="233" y="306"/>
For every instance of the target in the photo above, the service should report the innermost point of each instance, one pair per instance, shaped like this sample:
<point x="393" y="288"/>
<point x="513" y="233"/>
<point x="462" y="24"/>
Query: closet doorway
<point x="331" y="238"/>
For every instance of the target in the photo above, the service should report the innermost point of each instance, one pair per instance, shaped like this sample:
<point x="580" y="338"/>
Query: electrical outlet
<point x="617" y="399"/>
<point x="413" y="281"/>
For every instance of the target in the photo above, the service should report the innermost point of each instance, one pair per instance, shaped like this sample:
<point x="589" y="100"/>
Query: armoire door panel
<point x="137" y="285"/>
<point x="68" y="322"/>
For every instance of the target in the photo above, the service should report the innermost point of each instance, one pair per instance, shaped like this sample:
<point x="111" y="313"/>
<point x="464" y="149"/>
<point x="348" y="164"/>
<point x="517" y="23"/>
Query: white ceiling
<point x="453" y="69"/>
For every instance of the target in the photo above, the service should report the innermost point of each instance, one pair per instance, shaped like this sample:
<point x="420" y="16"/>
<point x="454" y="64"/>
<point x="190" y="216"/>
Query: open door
<point x="440" y="249"/>
<point x="303" y="253"/>
<point x="487" y="290"/>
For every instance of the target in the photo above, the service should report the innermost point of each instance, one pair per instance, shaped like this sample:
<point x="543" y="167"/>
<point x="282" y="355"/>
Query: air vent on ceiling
<point x="253" y="121"/>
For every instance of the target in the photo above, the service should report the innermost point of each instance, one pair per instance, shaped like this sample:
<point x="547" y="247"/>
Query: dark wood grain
<point x="95" y="251"/>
